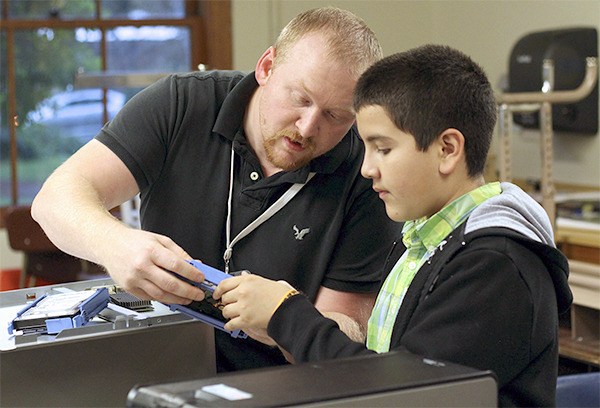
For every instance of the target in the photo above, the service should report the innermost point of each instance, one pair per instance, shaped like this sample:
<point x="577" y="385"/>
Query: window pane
<point x="51" y="9"/>
<point x="54" y="119"/>
<point x="142" y="9"/>
<point x="149" y="48"/>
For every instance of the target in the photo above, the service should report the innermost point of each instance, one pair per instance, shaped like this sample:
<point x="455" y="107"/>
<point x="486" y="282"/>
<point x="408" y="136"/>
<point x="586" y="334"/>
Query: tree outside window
<point x="45" y="113"/>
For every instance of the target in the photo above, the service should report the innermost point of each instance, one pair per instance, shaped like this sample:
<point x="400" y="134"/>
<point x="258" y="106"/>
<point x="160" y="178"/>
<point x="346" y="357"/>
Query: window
<point x="57" y="58"/>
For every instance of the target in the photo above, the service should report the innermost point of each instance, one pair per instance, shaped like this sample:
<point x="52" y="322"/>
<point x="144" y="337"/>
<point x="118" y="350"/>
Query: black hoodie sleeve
<point x="305" y="333"/>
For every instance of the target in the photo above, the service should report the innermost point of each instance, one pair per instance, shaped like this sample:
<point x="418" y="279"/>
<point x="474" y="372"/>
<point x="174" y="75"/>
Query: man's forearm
<point x="349" y="310"/>
<point x="348" y="325"/>
<point x="73" y="216"/>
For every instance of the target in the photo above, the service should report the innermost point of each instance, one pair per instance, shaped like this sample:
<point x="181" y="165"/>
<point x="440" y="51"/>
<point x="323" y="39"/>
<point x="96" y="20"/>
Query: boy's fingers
<point x="225" y="286"/>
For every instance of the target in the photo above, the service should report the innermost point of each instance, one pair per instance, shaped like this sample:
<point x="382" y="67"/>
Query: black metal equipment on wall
<point x="568" y="48"/>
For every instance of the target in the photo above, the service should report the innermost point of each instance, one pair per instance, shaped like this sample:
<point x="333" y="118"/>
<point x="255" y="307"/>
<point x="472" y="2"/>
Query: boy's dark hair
<point x="429" y="89"/>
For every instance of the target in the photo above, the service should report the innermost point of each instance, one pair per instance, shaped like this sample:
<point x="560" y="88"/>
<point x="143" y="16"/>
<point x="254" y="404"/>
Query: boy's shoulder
<point x="499" y="239"/>
<point x="528" y="255"/>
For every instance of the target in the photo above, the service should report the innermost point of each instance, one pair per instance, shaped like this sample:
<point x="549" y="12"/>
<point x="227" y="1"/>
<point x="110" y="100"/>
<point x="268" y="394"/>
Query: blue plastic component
<point x="212" y="278"/>
<point x="71" y="318"/>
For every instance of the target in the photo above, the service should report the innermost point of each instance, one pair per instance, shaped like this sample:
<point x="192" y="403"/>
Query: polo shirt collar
<point x="430" y="232"/>
<point x="231" y="115"/>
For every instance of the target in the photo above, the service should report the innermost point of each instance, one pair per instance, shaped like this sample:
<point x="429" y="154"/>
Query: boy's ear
<point x="264" y="66"/>
<point x="452" y="150"/>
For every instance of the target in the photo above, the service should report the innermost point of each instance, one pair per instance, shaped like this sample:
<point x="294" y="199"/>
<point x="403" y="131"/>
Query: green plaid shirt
<point x="421" y="237"/>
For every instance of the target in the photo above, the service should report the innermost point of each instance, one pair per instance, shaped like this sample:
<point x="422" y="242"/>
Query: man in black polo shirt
<point x="258" y="172"/>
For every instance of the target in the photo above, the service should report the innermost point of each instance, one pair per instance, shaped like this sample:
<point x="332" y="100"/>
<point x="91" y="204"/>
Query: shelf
<point x="579" y="333"/>
<point x="579" y="349"/>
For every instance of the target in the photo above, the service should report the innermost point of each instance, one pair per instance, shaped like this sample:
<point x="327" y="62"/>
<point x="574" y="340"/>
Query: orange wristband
<point x="289" y="294"/>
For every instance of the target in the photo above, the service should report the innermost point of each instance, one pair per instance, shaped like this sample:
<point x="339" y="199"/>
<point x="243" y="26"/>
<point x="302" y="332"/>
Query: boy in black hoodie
<point x="475" y="278"/>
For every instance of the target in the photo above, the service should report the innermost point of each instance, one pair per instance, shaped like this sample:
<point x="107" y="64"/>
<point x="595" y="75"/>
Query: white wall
<point x="485" y="29"/>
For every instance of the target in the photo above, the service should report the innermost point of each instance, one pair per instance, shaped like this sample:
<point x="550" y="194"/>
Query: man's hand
<point x="73" y="209"/>
<point x="141" y="262"/>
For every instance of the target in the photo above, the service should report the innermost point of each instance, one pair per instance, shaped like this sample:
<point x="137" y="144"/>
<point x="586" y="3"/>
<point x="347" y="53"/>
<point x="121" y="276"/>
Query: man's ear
<point x="264" y="66"/>
<point x="451" y="143"/>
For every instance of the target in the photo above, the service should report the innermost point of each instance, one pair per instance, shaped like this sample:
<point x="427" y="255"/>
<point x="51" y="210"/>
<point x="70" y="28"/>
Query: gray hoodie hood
<point x="516" y="210"/>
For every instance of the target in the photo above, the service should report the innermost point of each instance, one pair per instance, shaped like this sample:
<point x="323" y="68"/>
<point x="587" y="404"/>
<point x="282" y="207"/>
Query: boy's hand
<point x="249" y="303"/>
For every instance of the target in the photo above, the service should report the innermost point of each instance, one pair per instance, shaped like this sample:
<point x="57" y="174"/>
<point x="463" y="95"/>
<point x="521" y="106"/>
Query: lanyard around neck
<point x="276" y="206"/>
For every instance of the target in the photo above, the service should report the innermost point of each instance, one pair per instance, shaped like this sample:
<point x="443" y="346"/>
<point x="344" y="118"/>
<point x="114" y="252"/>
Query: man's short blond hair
<point x="350" y="40"/>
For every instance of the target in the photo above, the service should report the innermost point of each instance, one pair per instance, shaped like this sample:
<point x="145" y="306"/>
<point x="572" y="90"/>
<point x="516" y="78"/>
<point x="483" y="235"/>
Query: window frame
<point x="209" y="22"/>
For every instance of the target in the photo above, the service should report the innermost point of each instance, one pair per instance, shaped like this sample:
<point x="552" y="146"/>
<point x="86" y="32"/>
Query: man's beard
<point x="290" y="161"/>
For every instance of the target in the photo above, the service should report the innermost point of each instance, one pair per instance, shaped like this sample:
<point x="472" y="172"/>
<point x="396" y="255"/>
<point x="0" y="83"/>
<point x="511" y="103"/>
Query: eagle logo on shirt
<point x="299" y="234"/>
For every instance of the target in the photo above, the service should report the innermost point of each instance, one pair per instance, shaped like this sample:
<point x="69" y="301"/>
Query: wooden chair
<point x="42" y="258"/>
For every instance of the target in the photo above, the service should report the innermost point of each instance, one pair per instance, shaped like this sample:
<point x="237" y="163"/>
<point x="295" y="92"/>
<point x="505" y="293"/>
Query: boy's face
<point x="405" y="178"/>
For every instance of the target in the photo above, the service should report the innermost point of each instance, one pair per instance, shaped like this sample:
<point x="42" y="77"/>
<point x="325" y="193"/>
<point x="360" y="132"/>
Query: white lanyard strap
<point x="276" y="206"/>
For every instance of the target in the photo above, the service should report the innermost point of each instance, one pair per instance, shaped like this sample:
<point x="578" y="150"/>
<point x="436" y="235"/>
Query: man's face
<point x="305" y="105"/>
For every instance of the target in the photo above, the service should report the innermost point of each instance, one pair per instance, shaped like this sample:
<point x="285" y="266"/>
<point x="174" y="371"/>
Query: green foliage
<point x="37" y="141"/>
<point x="51" y="9"/>
<point x="52" y="58"/>
<point x="46" y="60"/>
